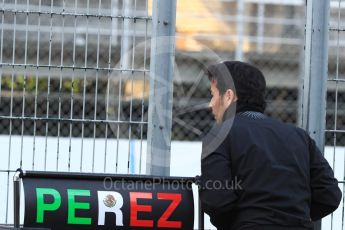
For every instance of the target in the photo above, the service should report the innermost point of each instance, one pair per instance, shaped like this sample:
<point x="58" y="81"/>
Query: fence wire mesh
<point x="74" y="87"/>
<point x="335" y="120"/>
<point x="268" y="34"/>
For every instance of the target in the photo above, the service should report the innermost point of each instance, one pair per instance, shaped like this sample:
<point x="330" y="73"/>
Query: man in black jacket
<point x="257" y="172"/>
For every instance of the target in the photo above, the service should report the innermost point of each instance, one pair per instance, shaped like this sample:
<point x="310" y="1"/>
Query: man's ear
<point x="229" y="97"/>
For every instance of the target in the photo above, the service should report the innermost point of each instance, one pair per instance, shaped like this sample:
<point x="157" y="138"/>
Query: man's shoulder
<point x="258" y="121"/>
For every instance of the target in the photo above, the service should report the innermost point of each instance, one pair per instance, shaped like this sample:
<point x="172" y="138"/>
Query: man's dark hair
<point x="247" y="81"/>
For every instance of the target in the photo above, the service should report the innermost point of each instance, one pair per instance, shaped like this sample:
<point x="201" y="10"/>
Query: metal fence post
<point x="315" y="72"/>
<point x="240" y="29"/>
<point x="16" y="199"/>
<point x="161" y="87"/>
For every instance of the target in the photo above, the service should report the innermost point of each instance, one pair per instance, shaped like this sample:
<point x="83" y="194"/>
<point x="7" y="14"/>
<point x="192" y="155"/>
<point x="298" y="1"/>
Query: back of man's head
<point x="247" y="81"/>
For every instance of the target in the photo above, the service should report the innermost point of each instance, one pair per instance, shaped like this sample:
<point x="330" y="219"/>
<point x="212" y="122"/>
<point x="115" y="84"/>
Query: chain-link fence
<point x="336" y="76"/>
<point x="74" y="87"/>
<point x="268" y="34"/>
<point x="335" y="110"/>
